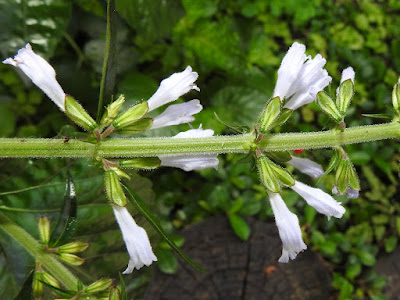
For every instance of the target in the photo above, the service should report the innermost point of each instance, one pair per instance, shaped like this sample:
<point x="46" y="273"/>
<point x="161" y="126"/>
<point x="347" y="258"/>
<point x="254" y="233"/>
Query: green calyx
<point x="328" y="106"/>
<point x="346" y="176"/>
<point x="137" y="127"/>
<point x="269" y="114"/>
<point x="344" y="96"/>
<point x="112" y="111"/>
<point x="131" y="115"/>
<point x="144" y="163"/>
<point x="78" y="114"/>
<point x="273" y="176"/>
<point x="114" y="189"/>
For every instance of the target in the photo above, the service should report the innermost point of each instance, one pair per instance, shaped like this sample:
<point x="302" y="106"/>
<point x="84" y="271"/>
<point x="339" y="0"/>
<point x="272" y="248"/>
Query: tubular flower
<point x="321" y="201"/>
<point x="177" y="114"/>
<point x="40" y="72"/>
<point x="347" y="73"/>
<point x="299" y="76"/>
<point x="136" y="240"/>
<point x="173" y="87"/>
<point x="191" y="162"/>
<point x="288" y="227"/>
<point x="307" y="166"/>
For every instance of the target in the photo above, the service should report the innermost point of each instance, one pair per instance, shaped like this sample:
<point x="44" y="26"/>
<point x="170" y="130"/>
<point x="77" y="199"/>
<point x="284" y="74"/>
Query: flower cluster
<point x="300" y="79"/>
<point x="131" y="121"/>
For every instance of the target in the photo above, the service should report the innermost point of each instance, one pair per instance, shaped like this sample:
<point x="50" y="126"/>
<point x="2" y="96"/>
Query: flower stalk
<point x="148" y="147"/>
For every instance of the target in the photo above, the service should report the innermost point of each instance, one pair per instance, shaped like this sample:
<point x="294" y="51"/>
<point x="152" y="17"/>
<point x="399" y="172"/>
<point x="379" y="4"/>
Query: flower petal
<point x="173" y="87"/>
<point x="191" y="162"/>
<point x="321" y="201"/>
<point x="136" y="240"/>
<point x="289" y="69"/>
<point x="40" y="72"/>
<point x="307" y="166"/>
<point x="177" y="114"/>
<point x="288" y="227"/>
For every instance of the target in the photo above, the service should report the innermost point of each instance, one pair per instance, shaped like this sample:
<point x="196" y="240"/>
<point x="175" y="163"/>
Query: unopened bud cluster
<point x="64" y="252"/>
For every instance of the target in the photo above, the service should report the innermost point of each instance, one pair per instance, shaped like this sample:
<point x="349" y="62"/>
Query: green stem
<point x="105" y="61"/>
<point x="49" y="261"/>
<point x="43" y="148"/>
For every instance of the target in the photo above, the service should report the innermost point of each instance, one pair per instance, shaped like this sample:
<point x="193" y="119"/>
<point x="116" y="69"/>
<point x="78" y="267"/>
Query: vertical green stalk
<point x="108" y="56"/>
<point x="49" y="261"/>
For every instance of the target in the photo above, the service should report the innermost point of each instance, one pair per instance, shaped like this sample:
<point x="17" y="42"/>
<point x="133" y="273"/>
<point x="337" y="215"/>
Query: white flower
<point x="289" y="69"/>
<point x="307" y="166"/>
<point x="192" y="161"/>
<point x="40" y="72"/>
<point x="288" y="227"/>
<point x="299" y="75"/>
<point x="173" y="87"/>
<point x="177" y="114"/>
<point x="321" y="201"/>
<point x="347" y="73"/>
<point x="136" y="240"/>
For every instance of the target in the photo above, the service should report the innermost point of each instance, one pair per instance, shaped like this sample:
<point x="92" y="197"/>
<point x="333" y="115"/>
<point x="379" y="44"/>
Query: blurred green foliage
<point x="236" y="47"/>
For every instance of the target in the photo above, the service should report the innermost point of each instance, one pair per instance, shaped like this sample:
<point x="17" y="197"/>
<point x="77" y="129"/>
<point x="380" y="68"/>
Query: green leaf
<point x="123" y="287"/>
<point x="236" y="206"/>
<point x="152" y="20"/>
<point x="378" y="116"/>
<point x="66" y="223"/>
<point x="166" y="262"/>
<point x="26" y="289"/>
<point x="353" y="270"/>
<point x="367" y="258"/>
<point x="41" y="23"/>
<point x="239" y="226"/>
<point x="142" y="207"/>
<point x="390" y="243"/>
<point x="236" y="128"/>
<point x="7" y="121"/>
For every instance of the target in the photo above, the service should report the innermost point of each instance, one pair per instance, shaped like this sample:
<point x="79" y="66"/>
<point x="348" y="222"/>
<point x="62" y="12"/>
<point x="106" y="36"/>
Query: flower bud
<point x="114" y="293"/>
<point x="280" y="156"/>
<point x="37" y="286"/>
<point x="396" y="97"/>
<point x="44" y="229"/>
<point x="99" y="285"/>
<point x="267" y="175"/>
<point x="78" y="114"/>
<point x="131" y="115"/>
<point x="112" y="111"/>
<point x="328" y="106"/>
<point x="114" y="189"/>
<point x="120" y="173"/>
<point x="283" y="175"/>
<point x="269" y="114"/>
<point x="73" y="247"/>
<point x="137" y="127"/>
<point x="344" y="95"/>
<point x="50" y="280"/>
<point x="146" y="163"/>
<point x="71" y="259"/>
<point x="341" y="176"/>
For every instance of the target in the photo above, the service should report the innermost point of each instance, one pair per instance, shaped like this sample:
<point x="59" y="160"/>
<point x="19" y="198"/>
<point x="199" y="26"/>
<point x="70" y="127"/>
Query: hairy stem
<point x="138" y="147"/>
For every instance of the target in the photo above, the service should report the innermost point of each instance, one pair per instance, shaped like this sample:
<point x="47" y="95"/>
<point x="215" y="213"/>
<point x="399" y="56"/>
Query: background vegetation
<point x="236" y="47"/>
